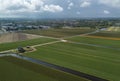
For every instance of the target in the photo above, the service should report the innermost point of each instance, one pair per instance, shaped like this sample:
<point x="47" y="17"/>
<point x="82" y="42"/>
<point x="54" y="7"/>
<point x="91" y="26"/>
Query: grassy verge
<point x="13" y="45"/>
<point x="92" y="60"/>
<point x="13" y="69"/>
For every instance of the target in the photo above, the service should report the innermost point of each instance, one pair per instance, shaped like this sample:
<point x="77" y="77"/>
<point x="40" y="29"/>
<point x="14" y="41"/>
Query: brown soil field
<point x="13" y="37"/>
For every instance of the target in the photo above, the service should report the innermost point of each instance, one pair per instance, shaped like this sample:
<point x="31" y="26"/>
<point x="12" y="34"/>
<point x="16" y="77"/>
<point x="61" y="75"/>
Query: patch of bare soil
<point x="13" y="37"/>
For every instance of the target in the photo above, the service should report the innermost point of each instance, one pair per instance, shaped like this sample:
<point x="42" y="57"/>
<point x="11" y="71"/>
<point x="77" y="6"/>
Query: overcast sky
<point x="59" y="8"/>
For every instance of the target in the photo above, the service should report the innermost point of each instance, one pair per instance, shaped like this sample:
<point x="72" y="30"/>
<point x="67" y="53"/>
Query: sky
<point x="59" y="8"/>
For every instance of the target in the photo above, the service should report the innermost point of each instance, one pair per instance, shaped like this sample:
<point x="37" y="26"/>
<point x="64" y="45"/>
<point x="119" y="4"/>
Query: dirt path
<point x="95" y="45"/>
<point x="101" y="37"/>
<point x="45" y="44"/>
<point x="81" y="34"/>
<point x="7" y="51"/>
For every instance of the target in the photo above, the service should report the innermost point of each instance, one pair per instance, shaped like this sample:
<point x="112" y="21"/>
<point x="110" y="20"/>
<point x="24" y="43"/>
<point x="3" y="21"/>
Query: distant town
<point x="7" y="25"/>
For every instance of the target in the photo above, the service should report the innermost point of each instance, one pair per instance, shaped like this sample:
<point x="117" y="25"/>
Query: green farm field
<point x="94" y="56"/>
<point x="59" y="32"/>
<point x="97" y="61"/>
<point x="13" y="45"/>
<point x="13" y="69"/>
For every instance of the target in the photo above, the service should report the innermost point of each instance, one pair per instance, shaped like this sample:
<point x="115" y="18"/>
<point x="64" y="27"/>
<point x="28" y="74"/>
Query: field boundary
<point x="57" y="67"/>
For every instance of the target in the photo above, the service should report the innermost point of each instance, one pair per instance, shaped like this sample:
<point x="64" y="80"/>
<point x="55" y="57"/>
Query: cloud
<point x="106" y="12"/>
<point x="85" y="4"/>
<point x="70" y="5"/>
<point x="52" y="8"/>
<point x="111" y="3"/>
<point x="59" y="8"/>
<point x="13" y="6"/>
<point x="78" y="13"/>
<point x="68" y="1"/>
<point x="22" y="6"/>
